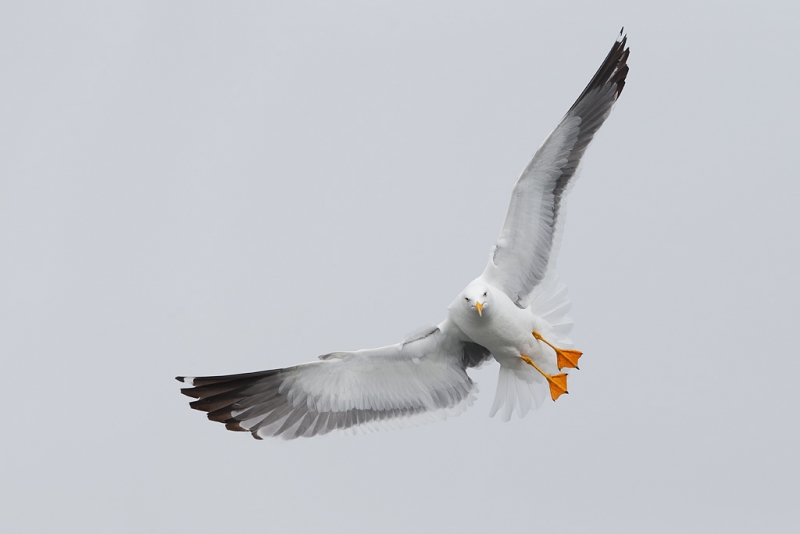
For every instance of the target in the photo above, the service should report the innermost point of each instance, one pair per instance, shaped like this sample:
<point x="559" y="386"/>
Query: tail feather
<point x="518" y="387"/>
<point x="551" y="304"/>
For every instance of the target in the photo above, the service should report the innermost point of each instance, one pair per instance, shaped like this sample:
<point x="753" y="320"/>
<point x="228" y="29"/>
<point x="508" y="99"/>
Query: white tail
<point x="552" y="304"/>
<point x="520" y="387"/>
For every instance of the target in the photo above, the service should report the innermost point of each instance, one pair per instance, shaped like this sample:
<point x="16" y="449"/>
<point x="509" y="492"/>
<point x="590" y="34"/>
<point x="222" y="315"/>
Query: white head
<point x="475" y="300"/>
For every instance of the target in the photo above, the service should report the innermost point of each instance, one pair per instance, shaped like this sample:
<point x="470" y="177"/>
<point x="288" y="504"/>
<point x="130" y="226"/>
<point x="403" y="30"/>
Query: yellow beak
<point x="479" y="307"/>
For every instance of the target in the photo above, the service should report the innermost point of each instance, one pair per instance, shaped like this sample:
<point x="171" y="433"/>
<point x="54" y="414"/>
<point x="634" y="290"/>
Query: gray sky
<point x="210" y="188"/>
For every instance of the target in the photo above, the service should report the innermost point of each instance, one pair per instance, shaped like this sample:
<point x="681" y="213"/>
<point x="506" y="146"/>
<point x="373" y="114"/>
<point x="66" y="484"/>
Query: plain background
<point x="220" y="187"/>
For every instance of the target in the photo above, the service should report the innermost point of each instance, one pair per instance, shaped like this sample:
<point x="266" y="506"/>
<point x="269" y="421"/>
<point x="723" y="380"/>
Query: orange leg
<point x="558" y="383"/>
<point x="564" y="357"/>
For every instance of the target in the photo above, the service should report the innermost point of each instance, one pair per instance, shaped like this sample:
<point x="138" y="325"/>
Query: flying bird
<point x="515" y="312"/>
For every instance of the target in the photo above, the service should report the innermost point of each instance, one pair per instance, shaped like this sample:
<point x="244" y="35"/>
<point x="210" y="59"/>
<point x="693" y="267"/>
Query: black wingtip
<point x="180" y="378"/>
<point x="234" y="426"/>
<point x="613" y="70"/>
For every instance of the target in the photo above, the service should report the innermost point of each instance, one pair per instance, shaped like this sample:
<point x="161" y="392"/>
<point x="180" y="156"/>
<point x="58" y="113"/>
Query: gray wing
<point x="420" y="380"/>
<point x="527" y="247"/>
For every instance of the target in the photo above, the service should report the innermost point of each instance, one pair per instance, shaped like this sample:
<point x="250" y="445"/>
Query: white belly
<point x="508" y="333"/>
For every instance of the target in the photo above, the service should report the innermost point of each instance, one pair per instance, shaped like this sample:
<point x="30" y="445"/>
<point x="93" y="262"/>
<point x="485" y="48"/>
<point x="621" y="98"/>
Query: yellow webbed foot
<point x="567" y="358"/>
<point x="564" y="357"/>
<point x="557" y="383"/>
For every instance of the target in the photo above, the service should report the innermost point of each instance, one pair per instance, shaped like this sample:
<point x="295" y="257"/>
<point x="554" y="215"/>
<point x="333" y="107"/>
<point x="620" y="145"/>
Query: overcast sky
<point x="219" y="187"/>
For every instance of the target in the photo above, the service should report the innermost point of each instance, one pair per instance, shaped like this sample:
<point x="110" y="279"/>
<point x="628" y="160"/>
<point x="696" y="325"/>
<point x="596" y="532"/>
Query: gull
<point x="515" y="312"/>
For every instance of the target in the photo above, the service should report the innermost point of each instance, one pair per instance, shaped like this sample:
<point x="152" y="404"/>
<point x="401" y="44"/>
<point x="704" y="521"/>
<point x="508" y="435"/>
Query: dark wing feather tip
<point x="234" y="426"/>
<point x="613" y="70"/>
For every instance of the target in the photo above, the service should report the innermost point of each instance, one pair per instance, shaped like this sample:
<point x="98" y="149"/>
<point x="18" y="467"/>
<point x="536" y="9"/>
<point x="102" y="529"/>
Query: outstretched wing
<point x="423" y="379"/>
<point x="527" y="247"/>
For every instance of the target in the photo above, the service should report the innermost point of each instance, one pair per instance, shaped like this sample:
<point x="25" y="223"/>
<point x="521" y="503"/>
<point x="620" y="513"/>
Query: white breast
<point x="504" y="329"/>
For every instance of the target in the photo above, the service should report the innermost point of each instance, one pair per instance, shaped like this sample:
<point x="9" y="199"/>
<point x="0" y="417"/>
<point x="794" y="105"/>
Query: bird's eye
<point x="466" y="298"/>
<point x="484" y="293"/>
